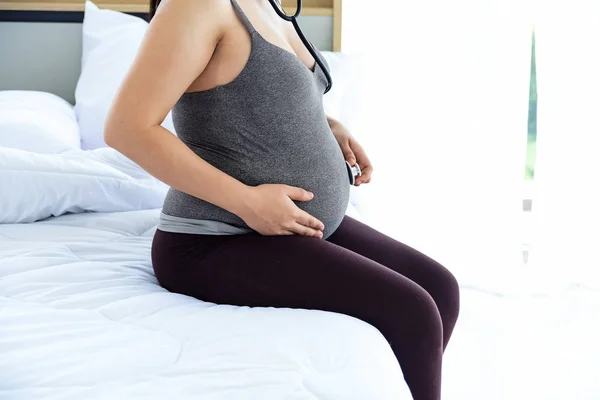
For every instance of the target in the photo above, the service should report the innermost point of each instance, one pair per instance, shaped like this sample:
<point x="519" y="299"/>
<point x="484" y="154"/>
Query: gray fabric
<point x="266" y="126"/>
<point x="168" y="223"/>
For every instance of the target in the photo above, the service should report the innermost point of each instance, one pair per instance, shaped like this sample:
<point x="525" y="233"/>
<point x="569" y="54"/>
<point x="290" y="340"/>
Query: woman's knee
<point x="443" y="287"/>
<point x="414" y="313"/>
<point x="426" y="312"/>
<point x="448" y="294"/>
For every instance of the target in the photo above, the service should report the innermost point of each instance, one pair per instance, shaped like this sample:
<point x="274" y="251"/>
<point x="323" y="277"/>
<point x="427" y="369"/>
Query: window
<point x="532" y="121"/>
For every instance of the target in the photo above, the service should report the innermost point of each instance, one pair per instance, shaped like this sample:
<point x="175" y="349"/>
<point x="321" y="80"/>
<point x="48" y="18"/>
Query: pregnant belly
<point x="325" y="176"/>
<point x="331" y="190"/>
<point x="319" y="169"/>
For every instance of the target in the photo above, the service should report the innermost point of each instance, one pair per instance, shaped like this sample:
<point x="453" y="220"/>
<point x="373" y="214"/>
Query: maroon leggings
<point x="357" y="271"/>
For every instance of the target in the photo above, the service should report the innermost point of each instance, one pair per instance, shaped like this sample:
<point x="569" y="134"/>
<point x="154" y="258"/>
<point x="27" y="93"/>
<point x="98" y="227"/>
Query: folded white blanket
<point x="35" y="186"/>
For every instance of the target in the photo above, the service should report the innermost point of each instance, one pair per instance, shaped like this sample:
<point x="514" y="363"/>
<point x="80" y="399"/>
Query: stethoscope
<point x="353" y="171"/>
<point x="313" y="52"/>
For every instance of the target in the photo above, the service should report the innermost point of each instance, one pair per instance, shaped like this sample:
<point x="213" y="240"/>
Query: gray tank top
<point x="266" y="126"/>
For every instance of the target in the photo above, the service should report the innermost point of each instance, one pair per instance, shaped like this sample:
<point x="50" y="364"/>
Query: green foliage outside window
<point x="532" y="122"/>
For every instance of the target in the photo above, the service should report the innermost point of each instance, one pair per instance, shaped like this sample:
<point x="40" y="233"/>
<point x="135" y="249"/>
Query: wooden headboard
<point x="332" y="8"/>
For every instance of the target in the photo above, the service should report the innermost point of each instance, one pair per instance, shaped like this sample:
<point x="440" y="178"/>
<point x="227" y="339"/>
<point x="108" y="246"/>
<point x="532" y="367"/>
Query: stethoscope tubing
<point x="313" y="52"/>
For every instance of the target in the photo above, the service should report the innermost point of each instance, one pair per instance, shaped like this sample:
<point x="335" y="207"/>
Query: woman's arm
<point x="178" y="45"/>
<point x="352" y="150"/>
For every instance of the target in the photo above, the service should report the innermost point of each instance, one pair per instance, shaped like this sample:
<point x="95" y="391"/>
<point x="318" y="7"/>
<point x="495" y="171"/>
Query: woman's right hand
<point x="270" y="210"/>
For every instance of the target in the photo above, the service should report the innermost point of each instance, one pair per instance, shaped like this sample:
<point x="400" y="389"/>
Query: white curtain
<point x="566" y="248"/>
<point x="444" y="118"/>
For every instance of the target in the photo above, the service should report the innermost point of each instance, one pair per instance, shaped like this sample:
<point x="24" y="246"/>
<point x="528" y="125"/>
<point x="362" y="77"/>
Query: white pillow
<point x="37" y="121"/>
<point x="342" y="102"/>
<point x="110" y="43"/>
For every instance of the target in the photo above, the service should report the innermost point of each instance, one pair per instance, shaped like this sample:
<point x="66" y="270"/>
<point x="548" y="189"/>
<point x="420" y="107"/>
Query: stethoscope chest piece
<point x="353" y="172"/>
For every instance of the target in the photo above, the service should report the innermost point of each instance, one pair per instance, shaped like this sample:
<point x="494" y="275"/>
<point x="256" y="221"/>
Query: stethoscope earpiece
<point x="353" y="172"/>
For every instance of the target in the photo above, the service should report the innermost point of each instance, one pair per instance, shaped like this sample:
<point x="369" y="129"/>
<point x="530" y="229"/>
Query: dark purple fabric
<point x="358" y="271"/>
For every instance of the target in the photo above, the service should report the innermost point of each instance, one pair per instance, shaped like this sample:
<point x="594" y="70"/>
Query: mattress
<point x="83" y="317"/>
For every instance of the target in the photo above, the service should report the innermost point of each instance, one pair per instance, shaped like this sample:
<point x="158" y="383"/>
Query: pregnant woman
<point x="259" y="186"/>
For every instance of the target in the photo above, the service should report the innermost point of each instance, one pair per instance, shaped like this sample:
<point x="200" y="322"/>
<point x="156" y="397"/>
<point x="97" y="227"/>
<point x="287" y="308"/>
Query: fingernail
<point x="311" y="195"/>
<point x="319" y="235"/>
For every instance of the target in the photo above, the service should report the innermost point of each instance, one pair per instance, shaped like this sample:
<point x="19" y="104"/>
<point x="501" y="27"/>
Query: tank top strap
<point x="243" y="16"/>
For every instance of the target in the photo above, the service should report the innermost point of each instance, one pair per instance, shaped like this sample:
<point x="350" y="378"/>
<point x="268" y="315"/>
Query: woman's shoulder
<point x="212" y="10"/>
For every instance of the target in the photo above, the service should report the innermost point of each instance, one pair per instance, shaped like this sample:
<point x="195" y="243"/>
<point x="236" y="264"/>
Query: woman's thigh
<point x="406" y="261"/>
<point x="294" y="272"/>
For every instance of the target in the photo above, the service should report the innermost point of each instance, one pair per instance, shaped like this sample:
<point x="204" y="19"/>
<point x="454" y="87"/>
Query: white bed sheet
<point x="82" y="317"/>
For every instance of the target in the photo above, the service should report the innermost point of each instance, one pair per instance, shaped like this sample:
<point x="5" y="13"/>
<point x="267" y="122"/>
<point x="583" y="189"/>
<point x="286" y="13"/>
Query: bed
<point x="83" y="317"/>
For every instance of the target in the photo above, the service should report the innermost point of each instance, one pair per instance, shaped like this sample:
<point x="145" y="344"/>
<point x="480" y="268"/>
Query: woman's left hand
<point x="353" y="152"/>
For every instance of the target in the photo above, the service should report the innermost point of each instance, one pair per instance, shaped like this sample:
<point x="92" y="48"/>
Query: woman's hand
<point x="269" y="210"/>
<point x="353" y="151"/>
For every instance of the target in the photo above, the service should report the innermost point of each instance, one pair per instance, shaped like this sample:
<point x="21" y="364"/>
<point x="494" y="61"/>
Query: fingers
<point x="363" y="161"/>
<point x="303" y="223"/>
<point x="303" y="230"/>
<point x="305" y="219"/>
<point x="366" y="167"/>
<point x="307" y="225"/>
<point x="296" y="193"/>
<point x="365" y="177"/>
<point x="348" y="154"/>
